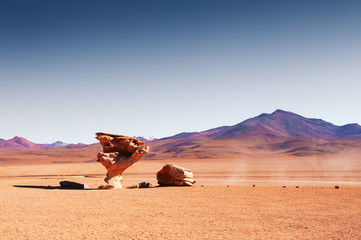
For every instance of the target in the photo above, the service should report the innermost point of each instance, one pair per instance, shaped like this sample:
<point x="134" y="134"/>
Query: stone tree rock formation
<point x="119" y="153"/>
<point x="172" y="175"/>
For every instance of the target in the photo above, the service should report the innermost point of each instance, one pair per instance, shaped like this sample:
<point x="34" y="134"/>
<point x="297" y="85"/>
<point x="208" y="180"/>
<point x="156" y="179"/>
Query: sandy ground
<point x="222" y="205"/>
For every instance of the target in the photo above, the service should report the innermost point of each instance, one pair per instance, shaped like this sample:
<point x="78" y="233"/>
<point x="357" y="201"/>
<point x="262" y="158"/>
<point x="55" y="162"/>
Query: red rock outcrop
<point x="172" y="175"/>
<point x="119" y="153"/>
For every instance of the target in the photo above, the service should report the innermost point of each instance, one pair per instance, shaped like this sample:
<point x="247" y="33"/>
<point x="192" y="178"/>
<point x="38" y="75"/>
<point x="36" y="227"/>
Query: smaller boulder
<point x="172" y="175"/>
<point x="144" y="185"/>
<point x="72" y="185"/>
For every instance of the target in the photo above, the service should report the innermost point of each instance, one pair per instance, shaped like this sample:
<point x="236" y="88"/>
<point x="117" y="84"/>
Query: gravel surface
<point x="208" y="212"/>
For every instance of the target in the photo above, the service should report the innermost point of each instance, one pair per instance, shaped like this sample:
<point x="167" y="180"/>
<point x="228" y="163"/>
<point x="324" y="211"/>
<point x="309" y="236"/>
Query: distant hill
<point x="145" y="139"/>
<point x="19" y="143"/>
<point x="57" y="144"/>
<point x="279" y="124"/>
<point x="287" y="124"/>
<point x="278" y="132"/>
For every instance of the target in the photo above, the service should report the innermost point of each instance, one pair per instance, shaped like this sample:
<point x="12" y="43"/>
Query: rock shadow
<point x="35" y="186"/>
<point x="50" y="187"/>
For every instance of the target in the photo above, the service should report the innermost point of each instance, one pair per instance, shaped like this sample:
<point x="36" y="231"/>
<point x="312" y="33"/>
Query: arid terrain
<point x="222" y="205"/>
<point x="269" y="177"/>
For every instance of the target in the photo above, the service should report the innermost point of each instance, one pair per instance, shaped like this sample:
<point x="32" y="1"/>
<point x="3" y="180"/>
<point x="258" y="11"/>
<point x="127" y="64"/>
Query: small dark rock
<point x="337" y="187"/>
<point x="144" y="185"/>
<point x="106" y="187"/>
<point x="72" y="185"/>
<point x="284" y="186"/>
<point x="297" y="187"/>
<point x="253" y="185"/>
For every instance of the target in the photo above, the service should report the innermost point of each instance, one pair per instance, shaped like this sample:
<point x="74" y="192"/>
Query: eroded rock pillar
<point x="119" y="153"/>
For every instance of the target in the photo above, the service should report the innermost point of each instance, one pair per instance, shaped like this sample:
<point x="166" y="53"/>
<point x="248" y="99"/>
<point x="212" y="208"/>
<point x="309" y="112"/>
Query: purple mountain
<point x="279" y="124"/>
<point x="280" y="131"/>
<point x="287" y="124"/>
<point x="18" y="143"/>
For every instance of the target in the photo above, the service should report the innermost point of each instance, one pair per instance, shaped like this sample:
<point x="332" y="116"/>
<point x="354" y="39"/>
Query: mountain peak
<point x="280" y="111"/>
<point x="277" y="112"/>
<point x="57" y="144"/>
<point x="16" y="138"/>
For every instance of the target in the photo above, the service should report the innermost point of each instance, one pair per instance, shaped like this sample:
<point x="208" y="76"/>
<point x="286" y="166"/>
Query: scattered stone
<point x="297" y="187"/>
<point x="119" y="153"/>
<point x="253" y="185"/>
<point x="144" y="185"/>
<point x="106" y="187"/>
<point x="284" y="186"/>
<point x="202" y="185"/>
<point x="172" y="175"/>
<point x="72" y="185"/>
<point x="337" y="187"/>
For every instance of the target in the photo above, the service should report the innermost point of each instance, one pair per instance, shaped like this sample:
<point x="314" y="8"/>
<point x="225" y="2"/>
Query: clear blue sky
<point x="156" y="68"/>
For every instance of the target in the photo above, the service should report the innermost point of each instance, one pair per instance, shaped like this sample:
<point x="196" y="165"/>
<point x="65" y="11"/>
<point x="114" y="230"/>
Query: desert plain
<point x="223" y="204"/>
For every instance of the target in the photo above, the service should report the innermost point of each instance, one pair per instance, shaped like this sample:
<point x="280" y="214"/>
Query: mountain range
<point x="19" y="143"/>
<point x="281" y="124"/>
<point x="281" y="132"/>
